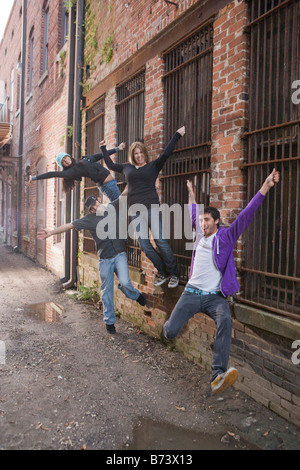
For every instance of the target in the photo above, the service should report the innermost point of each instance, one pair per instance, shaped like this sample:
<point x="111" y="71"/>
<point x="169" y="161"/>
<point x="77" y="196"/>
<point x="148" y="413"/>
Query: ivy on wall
<point x="97" y="51"/>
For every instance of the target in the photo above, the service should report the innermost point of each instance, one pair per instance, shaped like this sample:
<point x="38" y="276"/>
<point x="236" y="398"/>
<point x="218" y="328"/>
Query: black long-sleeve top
<point x="86" y="167"/>
<point x="141" y="180"/>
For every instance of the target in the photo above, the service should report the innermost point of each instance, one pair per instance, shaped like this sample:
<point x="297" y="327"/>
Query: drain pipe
<point x="76" y="150"/>
<point x="68" y="147"/>
<point x="21" y="130"/>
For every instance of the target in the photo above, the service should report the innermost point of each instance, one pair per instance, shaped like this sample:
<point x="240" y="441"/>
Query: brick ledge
<point x="267" y="321"/>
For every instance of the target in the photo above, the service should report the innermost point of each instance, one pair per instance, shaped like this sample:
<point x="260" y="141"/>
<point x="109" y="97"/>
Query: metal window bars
<point x="188" y="101"/>
<point x="272" y="252"/>
<point x="130" y="113"/>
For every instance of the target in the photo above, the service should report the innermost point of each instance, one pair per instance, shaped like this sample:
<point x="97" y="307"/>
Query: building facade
<point x="36" y="76"/>
<point x="227" y="70"/>
<point x="217" y="68"/>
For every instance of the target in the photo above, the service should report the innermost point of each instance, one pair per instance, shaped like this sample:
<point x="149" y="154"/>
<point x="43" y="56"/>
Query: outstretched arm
<point x="269" y="182"/>
<point x="48" y="233"/>
<point x="192" y="198"/>
<point x="110" y="164"/>
<point x="67" y="173"/>
<point x="193" y="207"/>
<point x="98" y="156"/>
<point x="46" y="176"/>
<point x="160" y="161"/>
<point x="246" y="216"/>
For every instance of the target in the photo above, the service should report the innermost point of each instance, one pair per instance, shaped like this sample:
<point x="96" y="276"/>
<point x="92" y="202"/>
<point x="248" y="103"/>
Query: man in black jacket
<point x="111" y="252"/>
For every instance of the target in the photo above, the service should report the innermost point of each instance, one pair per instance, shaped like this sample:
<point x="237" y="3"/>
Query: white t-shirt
<point x="206" y="275"/>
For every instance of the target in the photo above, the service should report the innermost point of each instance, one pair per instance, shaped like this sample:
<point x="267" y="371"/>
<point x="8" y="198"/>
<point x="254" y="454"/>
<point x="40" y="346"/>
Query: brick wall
<point x="45" y="117"/>
<point x="263" y="358"/>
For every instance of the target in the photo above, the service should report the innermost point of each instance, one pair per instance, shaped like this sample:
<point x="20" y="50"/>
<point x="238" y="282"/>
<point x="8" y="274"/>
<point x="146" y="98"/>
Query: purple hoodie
<point x="224" y="241"/>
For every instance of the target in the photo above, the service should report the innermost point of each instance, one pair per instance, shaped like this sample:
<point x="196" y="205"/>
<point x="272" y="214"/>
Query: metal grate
<point x="272" y="252"/>
<point x="130" y="111"/>
<point x="188" y="95"/>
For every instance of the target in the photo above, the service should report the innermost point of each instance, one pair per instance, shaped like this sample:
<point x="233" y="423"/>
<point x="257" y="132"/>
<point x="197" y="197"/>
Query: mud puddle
<point x="49" y="312"/>
<point x="154" y="435"/>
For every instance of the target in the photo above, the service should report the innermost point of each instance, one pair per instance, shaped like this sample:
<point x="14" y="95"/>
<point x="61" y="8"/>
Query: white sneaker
<point x="224" y="381"/>
<point x="161" y="279"/>
<point x="173" y="282"/>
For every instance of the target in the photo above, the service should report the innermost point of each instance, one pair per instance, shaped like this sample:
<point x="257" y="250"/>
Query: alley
<point x="67" y="384"/>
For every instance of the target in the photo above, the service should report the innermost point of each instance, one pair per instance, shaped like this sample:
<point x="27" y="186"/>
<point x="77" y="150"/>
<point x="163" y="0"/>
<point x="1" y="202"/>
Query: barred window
<point x="45" y="33"/>
<point x="130" y="111"/>
<point x="95" y="133"/>
<point x="188" y="101"/>
<point x="272" y="251"/>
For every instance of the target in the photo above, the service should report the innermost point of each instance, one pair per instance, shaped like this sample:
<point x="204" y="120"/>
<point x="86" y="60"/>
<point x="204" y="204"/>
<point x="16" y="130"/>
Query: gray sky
<point x="5" y="8"/>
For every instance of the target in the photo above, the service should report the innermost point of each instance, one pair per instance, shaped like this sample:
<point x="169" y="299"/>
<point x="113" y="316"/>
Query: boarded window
<point x="130" y="128"/>
<point x="188" y="94"/>
<point x="272" y="250"/>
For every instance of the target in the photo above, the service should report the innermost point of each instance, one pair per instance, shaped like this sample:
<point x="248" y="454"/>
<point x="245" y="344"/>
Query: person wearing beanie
<point x="111" y="253"/>
<point x="87" y="167"/>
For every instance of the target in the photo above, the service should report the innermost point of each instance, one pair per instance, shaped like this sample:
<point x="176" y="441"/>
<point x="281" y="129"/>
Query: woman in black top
<point x="89" y="167"/>
<point x="141" y="175"/>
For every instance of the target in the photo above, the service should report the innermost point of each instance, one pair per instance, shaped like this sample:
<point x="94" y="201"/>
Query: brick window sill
<point x="43" y="78"/>
<point x="267" y="321"/>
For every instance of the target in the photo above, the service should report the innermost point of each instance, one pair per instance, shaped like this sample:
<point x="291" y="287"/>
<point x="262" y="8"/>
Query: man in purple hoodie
<point x="213" y="278"/>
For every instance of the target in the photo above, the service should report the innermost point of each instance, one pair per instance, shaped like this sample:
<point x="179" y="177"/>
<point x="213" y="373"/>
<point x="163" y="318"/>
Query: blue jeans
<point x="107" y="267"/>
<point x="110" y="190"/>
<point x="164" y="260"/>
<point x="217" y="308"/>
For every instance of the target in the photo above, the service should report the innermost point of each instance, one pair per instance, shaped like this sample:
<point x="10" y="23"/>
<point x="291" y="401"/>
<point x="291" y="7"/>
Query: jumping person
<point x="89" y="167"/>
<point x="141" y="175"/>
<point x="112" y="256"/>
<point x="213" y="277"/>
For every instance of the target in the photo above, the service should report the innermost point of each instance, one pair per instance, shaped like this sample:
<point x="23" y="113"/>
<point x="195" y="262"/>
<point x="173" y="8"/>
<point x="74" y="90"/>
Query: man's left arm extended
<point x="246" y="216"/>
<point x="48" y="233"/>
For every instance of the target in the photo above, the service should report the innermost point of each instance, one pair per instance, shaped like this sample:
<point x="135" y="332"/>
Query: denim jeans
<point x="107" y="268"/>
<point x="217" y="308"/>
<point x="110" y="189"/>
<point x="164" y="260"/>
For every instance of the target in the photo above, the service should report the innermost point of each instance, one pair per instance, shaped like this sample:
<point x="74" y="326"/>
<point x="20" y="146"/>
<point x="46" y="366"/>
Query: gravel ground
<point x="68" y="384"/>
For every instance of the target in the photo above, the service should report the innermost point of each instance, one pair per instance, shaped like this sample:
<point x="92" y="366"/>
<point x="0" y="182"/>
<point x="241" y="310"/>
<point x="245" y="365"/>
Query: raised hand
<point x="189" y="186"/>
<point x="273" y="178"/>
<point x="269" y="182"/>
<point x="43" y="234"/>
<point x="181" y="131"/>
<point x="29" y="181"/>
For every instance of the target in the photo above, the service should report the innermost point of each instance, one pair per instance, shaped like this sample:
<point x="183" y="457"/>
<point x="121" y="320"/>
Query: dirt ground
<point x="70" y="385"/>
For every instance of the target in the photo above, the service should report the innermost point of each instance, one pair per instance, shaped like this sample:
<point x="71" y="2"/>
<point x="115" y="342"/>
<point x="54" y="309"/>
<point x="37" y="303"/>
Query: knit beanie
<point x="59" y="158"/>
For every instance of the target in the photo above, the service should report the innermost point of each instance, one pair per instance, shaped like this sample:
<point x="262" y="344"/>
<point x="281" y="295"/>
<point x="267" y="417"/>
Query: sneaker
<point x="173" y="282"/>
<point x="166" y="341"/>
<point x="225" y="380"/>
<point x="161" y="279"/>
<point x="111" y="329"/>
<point x="141" y="300"/>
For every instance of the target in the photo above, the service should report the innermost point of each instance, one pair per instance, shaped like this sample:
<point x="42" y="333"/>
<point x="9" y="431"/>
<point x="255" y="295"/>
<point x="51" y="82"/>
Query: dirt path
<point x="70" y="385"/>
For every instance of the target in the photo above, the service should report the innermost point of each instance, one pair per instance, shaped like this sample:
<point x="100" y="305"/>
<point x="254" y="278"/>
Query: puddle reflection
<point x="154" y="435"/>
<point x="48" y="312"/>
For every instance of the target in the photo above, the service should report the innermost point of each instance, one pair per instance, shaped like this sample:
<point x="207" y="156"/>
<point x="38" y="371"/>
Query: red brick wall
<point x="227" y="191"/>
<point x="46" y="108"/>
